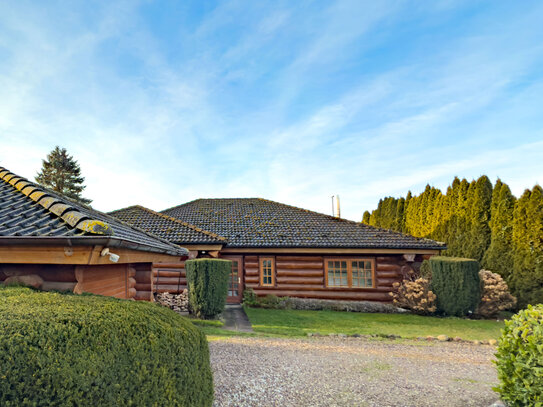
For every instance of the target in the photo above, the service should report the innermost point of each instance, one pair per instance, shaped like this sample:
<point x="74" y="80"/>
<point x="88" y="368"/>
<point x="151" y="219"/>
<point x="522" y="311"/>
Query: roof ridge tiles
<point x="56" y="206"/>
<point x="189" y="225"/>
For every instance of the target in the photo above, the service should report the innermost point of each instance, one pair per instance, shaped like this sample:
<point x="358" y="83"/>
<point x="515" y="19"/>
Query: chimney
<point x="338" y="214"/>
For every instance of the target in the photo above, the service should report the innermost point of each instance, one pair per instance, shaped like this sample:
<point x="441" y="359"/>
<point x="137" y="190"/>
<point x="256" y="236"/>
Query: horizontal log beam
<point x="168" y="273"/>
<point x="180" y="265"/>
<point x="299" y="265"/>
<point x="390" y="259"/>
<point x="300" y="280"/>
<point x="143" y="295"/>
<point x="249" y="265"/>
<point x="170" y="280"/>
<point x="251" y="272"/>
<point x="143" y="287"/>
<point x="300" y="273"/>
<point x="387" y="281"/>
<point x="388" y="267"/>
<point x="299" y="258"/>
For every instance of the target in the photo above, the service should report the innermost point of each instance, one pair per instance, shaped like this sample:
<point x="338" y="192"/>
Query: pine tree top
<point x="61" y="173"/>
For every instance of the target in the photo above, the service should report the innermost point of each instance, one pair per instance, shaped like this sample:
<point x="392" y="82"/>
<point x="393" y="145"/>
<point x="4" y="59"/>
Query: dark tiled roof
<point x="255" y="222"/>
<point x="30" y="211"/>
<point x="171" y="229"/>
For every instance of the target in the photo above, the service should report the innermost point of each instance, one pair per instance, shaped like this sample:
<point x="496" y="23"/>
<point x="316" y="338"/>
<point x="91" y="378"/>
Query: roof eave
<point x="109" y="241"/>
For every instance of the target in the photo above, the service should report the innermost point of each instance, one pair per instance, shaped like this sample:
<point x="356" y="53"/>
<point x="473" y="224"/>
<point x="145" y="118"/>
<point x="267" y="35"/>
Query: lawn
<point x="271" y="322"/>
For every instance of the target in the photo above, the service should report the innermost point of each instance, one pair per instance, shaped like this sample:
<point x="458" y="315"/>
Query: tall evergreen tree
<point x="366" y="217"/>
<point x="62" y="174"/>
<point x="527" y="279"/>
<point x="499" y="256"/>
<point x="478" y="241"/>
<point x="400" y="221"/>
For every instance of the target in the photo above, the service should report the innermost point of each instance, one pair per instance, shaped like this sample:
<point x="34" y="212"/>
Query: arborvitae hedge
<point x="481" y="222"/>
<point x="527" y="278"/>
<point x="207" y="281"/>
<point x="87" y="350"/>
<point x="456" y="283"/>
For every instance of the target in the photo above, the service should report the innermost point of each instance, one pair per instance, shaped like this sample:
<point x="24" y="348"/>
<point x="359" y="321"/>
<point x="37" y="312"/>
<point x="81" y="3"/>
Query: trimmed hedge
<point x="520" y="359"/>
<point x="86" y="350"/>
<point x="207" y="281"/>
<point x="456" y="283"/>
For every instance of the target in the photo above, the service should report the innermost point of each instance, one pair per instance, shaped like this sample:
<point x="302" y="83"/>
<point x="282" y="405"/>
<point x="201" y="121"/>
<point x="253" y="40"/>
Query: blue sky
<point x="162" y="102"/>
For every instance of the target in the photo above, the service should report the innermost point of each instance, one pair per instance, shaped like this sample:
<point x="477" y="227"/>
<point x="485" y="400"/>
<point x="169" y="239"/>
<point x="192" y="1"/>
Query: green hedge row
<point x="86" y="350"/>
<point x="456" y="283"/>
<point x="207" y="281"/>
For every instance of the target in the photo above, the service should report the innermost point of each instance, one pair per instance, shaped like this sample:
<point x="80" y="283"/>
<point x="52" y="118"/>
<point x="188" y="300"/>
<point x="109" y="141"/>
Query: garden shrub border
<point x="88" y="350"/>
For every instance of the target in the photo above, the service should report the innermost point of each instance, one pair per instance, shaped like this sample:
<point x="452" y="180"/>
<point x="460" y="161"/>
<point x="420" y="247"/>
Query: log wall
<point x="303" y="276"/>
<point x="115" y="280"/>
<point x="169" y="277"/>
<point x="144" y="281"/>
<point x="55" y="277"/>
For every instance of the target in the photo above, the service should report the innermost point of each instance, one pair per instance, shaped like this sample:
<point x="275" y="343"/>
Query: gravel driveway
<point x="350" y="372"/>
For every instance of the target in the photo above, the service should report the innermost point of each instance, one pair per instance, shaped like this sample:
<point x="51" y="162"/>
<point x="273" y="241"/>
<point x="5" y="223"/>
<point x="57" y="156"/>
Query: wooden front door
<point x="235" y="281"/>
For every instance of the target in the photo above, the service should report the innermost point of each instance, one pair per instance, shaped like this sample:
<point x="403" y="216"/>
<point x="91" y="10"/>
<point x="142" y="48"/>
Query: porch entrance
<point x="235" y="281"/>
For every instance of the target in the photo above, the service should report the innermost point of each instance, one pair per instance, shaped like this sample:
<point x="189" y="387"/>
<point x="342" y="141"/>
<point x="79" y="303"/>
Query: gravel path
<point x="350" y="372"/>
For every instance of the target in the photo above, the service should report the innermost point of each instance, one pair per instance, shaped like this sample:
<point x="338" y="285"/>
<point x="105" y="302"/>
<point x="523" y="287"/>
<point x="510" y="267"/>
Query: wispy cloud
<point x="164" y="103"/>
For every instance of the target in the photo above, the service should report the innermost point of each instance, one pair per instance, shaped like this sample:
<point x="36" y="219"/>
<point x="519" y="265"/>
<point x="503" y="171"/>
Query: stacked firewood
<point x="176" y="302"/>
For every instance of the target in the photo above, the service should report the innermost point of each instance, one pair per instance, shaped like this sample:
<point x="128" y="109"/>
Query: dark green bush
<point x="520" y="359"/>
<point x="207" y="280"/>
<point x="87" y="350"/>
<point x="273" y="301"/>
<point x="455" y="282"/>
<point x="250" y="298"/>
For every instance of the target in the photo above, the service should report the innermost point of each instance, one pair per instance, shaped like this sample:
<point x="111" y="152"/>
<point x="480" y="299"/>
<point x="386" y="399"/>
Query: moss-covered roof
<point x="256" y="222"/>
<point x="171" y="229"/>
<point x="29" y="210"/>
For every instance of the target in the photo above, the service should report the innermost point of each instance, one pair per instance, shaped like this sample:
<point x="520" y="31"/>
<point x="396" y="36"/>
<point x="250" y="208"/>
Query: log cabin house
<point x="52" y="243"/>
<point x="283" y="250"/>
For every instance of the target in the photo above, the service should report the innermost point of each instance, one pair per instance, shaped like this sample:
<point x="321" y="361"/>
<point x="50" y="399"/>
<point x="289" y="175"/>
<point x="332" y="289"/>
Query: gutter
<point x="104" y="240"/>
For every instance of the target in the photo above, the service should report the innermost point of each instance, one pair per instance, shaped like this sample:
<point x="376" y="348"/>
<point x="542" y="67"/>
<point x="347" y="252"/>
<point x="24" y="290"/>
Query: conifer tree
<point x="478" y="213"/>
<point x="527" y="279"/>
<point x="400" y="222"/>
<point x="366" y="217"/>
<point x="499" y="256"/>
<point x="62" y="174"/>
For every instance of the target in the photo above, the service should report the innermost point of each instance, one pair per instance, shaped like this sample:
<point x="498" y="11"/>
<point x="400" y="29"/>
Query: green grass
<point x="272" y="322"/>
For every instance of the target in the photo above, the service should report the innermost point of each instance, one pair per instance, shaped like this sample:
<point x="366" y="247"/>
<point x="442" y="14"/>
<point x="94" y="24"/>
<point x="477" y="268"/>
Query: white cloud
<point x="245" y="115"/>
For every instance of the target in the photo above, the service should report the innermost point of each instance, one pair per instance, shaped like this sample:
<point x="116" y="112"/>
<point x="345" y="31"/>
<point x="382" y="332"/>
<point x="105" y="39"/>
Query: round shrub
<point x="87" y="350"/>
<point x="520" y="359"/>
<point x="495" y="295"/>
<point x="414" y="295"/>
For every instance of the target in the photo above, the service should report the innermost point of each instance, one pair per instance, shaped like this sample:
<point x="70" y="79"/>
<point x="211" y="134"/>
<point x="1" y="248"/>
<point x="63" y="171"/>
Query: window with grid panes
<point x="266" y="272"/>
<point x="349" y="273"/>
